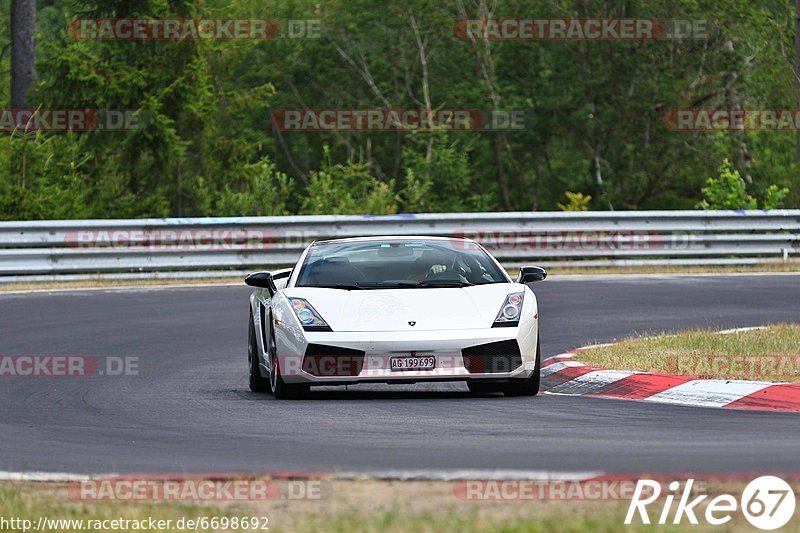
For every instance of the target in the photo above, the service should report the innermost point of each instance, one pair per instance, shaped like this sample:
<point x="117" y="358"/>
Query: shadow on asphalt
<point x="342" y="394"/>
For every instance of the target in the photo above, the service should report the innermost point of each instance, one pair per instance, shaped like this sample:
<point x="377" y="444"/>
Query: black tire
<point x="528" y="386"/>
<point x="280" y="389"/>
<point x="258" y="383"/>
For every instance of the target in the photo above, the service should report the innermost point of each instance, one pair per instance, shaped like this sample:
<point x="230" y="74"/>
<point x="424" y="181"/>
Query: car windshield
<point x="398" y="264"/>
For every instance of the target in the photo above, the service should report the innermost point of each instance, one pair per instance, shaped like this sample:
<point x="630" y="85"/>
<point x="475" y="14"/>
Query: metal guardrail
<point x="208" y="247"/>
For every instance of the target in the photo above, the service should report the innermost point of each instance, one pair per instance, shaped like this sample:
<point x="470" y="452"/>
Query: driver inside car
<point x="428" y="264"/>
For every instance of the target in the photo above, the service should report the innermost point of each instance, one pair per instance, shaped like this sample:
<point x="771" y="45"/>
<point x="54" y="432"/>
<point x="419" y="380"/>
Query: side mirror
<point x="261" y="280"/>
<point x="531" y="274"/>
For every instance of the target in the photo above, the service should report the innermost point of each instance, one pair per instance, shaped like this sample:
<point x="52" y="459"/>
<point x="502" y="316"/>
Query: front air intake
<point x="492" y="358"/>
<point x="332" y="361"/>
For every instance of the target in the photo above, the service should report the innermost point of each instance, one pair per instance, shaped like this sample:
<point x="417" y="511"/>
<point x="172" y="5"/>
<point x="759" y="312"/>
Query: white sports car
<point x="394" y="310"/>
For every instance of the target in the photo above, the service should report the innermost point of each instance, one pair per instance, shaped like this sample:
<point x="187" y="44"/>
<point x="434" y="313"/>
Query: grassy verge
<point x="790" y="267"/>
<point x="32" y="501"/>
<point x="112" y="283"/>
<point x="354" y="506"/>
<point x="769" y="354"/>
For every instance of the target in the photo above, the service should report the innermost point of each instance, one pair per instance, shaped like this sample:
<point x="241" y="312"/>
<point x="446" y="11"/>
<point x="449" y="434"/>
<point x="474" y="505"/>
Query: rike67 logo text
<point x="767" y="502"/>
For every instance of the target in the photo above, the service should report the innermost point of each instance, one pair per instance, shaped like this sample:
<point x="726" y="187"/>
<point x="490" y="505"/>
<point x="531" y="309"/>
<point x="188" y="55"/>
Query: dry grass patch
<point x="769" y="354"/>
<point x="366" y="505"/>
<point x="788" y="267"/>
<point x="100" y="283"/>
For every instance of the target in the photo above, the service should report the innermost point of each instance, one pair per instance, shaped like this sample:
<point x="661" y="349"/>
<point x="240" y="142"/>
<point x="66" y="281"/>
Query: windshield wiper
<point x="343" y="286"/>
<point x="388" y="284"/>
<point x="445" y="283"/>
<point x="365" y="285"/>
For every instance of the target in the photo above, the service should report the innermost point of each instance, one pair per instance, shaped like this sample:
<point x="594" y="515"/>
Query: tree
<point x="23" y="51"/>
<point x="797" y="73"/>
<point x="594" y="111"/>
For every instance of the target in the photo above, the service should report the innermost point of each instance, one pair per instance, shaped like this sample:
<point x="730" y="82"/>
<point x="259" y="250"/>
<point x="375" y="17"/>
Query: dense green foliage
<point x="594" y="112"/>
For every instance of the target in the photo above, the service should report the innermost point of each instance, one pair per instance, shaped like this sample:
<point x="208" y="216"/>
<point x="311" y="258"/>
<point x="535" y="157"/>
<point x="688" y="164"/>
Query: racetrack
<point x="189" y="409"/>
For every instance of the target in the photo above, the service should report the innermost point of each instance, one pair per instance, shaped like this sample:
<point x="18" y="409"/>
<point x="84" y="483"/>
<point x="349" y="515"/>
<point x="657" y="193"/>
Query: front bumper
<point x="331" y="358"/>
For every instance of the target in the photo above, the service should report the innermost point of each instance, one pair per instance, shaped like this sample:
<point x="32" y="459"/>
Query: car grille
<point x="323" y="360"/>
<point x="492" y="358"/>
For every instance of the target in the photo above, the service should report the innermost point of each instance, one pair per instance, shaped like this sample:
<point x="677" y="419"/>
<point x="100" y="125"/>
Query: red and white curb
<point x="562" y="374"/>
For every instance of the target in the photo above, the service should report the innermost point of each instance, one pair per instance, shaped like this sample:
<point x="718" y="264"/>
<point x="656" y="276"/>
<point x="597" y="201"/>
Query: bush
<point x="576" y="202"/>
<point x="266" y="192"/>
<point x="774" y="197"/>
<point x="727" y="190"/>
<point x="348" y="190"/>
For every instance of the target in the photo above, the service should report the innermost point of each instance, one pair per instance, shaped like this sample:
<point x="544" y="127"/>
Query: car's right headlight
<point x="508" y="317"/>
<point x="308" y="316"/>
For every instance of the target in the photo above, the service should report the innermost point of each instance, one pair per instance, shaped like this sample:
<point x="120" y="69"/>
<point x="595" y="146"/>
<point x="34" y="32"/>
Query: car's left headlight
<point x="509" y="314"/>
<point x="308" y="316"/>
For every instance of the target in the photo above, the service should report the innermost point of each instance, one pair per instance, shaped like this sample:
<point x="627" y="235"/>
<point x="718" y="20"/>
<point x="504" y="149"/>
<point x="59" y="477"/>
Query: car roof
<point x="409" y="238"/>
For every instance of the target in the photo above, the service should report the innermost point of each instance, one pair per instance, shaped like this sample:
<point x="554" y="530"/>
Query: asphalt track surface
<point x="189" y="409"/>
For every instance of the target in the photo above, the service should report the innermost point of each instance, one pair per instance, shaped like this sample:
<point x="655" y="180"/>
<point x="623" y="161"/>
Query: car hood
<point x="408" y="309"/>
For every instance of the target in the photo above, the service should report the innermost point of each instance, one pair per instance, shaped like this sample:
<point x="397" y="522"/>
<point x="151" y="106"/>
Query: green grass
<point x="368" y="506"/>
<point x="601" y="520"/>
<point x="442" y="513"/>
<point x="770" y="354"/>
<point x="32" y="501"/>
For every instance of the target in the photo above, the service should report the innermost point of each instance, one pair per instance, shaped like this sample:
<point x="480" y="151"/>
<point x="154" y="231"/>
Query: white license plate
<point x="427" y="362"/>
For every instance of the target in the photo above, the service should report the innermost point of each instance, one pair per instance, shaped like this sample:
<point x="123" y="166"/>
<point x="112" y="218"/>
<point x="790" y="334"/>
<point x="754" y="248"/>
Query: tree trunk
<point x="23" y="51"/>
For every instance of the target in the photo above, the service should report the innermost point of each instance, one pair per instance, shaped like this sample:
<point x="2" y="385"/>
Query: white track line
<point x="740" y="330"/>
<point x="55" y="477"/>
<point x="398" y="475"/>
<point x="456" y="475"/>
<point x="593" y="346"/>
